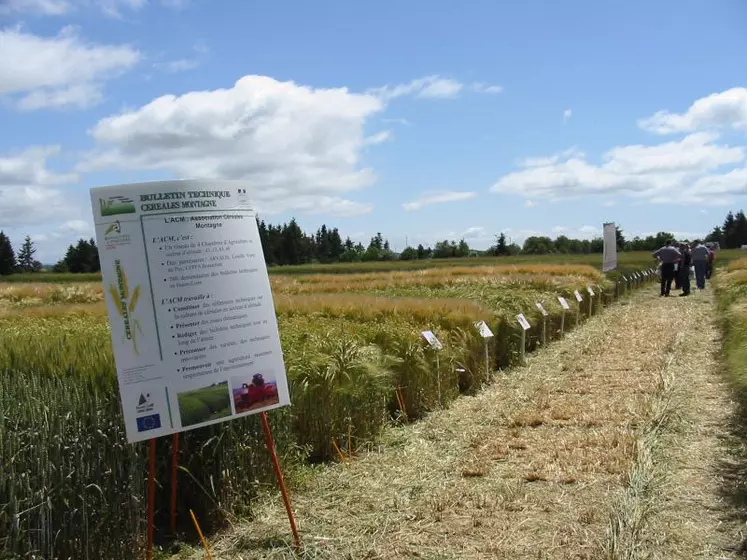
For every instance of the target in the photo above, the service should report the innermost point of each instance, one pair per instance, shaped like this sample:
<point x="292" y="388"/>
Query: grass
<point x="731" y="290"/>
<point x="356" y="364"/>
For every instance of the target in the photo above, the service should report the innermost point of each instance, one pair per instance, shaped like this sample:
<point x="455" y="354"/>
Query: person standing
<point x="668" y="255"/>
<point x="684" y="270"/>
<point x="700" y="262"/>
<point x="711" y="256"/>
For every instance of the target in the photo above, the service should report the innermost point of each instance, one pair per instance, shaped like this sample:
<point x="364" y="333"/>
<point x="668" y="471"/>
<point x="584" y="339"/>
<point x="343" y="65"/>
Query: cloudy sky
<point x="419" y="119"/>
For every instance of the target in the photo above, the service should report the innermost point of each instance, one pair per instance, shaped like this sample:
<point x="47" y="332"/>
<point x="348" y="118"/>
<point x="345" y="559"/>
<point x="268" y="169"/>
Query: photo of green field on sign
<point x="204" y="404"/>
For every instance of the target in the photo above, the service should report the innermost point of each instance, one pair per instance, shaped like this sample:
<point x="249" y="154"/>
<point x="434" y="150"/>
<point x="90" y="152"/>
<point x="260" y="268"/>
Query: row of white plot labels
<point x="485" y="331"/>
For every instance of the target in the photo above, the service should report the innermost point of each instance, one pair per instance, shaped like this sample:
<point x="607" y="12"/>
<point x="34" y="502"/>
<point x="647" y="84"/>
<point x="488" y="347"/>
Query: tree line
<point x="288" y="244"/>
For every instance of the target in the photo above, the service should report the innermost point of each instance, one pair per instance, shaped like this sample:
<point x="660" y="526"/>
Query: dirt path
<point x="604" y="446"/>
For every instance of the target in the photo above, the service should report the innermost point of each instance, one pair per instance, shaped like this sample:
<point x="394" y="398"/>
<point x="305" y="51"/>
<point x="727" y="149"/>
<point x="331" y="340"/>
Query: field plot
<point x="598" y="449"/>
<point x="356" y="363"/>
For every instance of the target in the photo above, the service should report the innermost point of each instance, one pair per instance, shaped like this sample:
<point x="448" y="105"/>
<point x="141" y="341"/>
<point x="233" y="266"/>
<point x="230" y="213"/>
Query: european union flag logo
<point x="150" y="422"/>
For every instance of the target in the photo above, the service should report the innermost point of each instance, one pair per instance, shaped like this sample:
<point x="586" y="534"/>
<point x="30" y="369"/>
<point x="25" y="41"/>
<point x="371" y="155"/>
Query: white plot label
<point x="484" y="329"/>
<point x="192" y="319"/>
<point x="590" y="290"/>
<point x="564" y="303"/>
<point x="434" y="343"/>
<point x="579" y="298"/>
<point x="541" y="309"/>
<point x="523" y="322"/>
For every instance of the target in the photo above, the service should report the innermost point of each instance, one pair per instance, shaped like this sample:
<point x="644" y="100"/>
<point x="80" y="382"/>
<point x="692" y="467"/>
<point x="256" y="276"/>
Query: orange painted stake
<point x="279" y="474"/>
<point x="151" y="497"/>
<point x="202" y="538"/>
<point x="174" y="466"/>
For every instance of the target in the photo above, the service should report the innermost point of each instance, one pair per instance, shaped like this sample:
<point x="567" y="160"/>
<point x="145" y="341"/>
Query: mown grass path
<point x="607" y="445"/>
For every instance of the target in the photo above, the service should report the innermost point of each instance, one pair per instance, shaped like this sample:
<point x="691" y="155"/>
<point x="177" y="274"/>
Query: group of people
<point x="676" y="262"/>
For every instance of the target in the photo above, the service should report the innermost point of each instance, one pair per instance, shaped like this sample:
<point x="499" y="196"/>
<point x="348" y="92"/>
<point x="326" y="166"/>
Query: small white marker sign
<point x="541" y="309"/>
<point x="523" y="322"/>
<point x="591" y="291"/>
<point x="579" y="298"/>
<point x="432" y="340"/>
<point x="564" y="303"/>
<point x="484" y="329"/>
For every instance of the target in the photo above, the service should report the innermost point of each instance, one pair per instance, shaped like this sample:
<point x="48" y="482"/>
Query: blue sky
<point x="422" y="120"/>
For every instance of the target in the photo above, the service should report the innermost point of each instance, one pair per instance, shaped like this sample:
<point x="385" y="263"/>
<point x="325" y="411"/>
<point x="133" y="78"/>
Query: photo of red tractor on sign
<point x="259" y="391"/>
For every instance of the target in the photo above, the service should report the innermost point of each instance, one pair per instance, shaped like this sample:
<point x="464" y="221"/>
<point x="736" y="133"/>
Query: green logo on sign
<point x="116" y="205"/>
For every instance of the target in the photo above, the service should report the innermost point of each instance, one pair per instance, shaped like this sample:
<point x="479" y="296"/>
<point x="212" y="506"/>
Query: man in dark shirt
<point x="684" y="269"/>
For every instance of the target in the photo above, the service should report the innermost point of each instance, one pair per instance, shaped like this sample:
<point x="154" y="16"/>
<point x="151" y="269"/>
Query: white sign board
<point x="609" y="260"/>
<point x="432" y="340"/>
<point x="590" y="290"/>
<point x="564" y="303"/>
<point x="484" y="329"/>
<point x="541" y="309"/>
<point x="523" y="322"/>
<point x="578" y="296"/>
<point x="190" y="307"/>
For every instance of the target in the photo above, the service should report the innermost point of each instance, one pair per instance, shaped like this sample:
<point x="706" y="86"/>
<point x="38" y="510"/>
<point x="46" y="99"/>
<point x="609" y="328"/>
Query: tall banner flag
<point x="610" y="247"/>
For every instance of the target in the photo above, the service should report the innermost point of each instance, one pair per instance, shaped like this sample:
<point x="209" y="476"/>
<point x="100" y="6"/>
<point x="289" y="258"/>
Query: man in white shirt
<point x="668" y="255"/>
<point x="700" y="262"/>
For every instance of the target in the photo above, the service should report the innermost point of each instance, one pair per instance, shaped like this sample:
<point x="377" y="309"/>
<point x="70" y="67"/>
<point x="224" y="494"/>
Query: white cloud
<point x="481" y="87"/>
<point x="58" y="71"/>
<point x="433" y="87"/>
<point x="550" y="160"/>
<point x="179" y="65"/>
<point x="530" y="204"/>
<point x="110" y="8"/>
<point x="27" y="193"/>
<point x="609" y="203"/>
<point x="674" y="172"/>
<point x="297" y="147"/>
<point x="316" y="204"/>
<point x="113" y="8"/>
<point x="727" y="109"/>
<point x="404" y="122"/>
<point x="39" y="7"/>
<point x="379" y="138"/>
<point x="567" y="114"/>
<point x="186" y="63"/>
<point x="437" y="197"/>
<point x="475" y="233"/>
<point x="76" y="226"/>
<point x="175" y="4"/>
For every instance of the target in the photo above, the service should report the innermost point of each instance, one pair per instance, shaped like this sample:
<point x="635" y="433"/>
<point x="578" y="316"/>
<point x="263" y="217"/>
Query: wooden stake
<point x="544" y="331"/>
<point x="279" y="475"/>
<point x="438" y="375"/>
<point x="339" y="451"/>
<point x="350" y="439"/>
<point x="202" y="538"/>
<point x="174" y="467"/>
<point x="523" y="347"/>
<point x="151" y="496"/>
<point x="562" y="324"/>
<point x="401" y="401"/>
